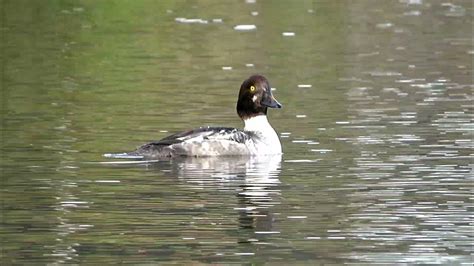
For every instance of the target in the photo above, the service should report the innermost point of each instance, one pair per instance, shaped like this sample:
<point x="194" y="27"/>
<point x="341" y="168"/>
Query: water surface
<point x="377" y="132"/>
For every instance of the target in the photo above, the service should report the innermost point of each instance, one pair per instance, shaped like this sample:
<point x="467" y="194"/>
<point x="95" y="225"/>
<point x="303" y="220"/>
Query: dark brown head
<point x="255" y="96"/>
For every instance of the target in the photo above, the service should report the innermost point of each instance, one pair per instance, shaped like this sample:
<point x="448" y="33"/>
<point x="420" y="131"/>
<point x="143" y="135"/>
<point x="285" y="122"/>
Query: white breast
<point x="268" y="141"/>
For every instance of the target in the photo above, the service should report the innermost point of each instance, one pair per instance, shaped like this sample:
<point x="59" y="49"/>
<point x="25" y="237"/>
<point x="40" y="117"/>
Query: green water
<point x="376" y="129"/>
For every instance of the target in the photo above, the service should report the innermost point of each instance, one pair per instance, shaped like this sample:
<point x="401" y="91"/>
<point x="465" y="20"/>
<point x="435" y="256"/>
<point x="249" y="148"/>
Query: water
<point x="377" y="132"/>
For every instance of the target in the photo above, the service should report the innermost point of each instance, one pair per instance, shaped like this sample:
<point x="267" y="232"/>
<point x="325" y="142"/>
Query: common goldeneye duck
<point x="257" y="138"/>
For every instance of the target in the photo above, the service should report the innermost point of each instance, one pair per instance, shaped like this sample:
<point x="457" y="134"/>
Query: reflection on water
<point x="254" y="180"/>
<point x="376" y="129"/>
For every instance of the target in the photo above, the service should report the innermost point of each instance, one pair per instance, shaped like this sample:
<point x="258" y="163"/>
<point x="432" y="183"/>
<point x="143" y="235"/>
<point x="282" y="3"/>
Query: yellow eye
<point x="252" y="88"/>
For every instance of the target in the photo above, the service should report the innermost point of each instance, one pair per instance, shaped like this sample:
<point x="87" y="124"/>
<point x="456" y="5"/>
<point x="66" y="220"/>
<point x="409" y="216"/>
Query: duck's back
<point x="204" y="141"/>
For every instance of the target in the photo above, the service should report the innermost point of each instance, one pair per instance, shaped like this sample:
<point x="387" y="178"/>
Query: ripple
<point x="379" y="73"/>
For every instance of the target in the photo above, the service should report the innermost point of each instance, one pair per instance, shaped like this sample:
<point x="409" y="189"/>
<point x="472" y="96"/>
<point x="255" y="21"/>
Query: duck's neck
<point x="257" y="123"/>
<point x="266" y="140"/>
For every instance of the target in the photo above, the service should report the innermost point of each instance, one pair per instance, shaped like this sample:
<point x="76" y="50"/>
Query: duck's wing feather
<point x="203" y="141"/>
<point x="207" y="133"/>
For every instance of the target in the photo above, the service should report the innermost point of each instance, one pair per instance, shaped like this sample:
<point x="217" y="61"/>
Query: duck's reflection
<point x="255" y="181"/>
<point x="259" y="192"/>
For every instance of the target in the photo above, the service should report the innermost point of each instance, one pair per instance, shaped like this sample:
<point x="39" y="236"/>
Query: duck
<point x="256" y="138"/>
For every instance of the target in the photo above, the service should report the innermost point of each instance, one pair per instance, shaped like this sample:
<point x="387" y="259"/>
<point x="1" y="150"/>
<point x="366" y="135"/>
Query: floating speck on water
<point x="191" y="20"/>
<point x="342" y="122"/>
<point x="250" y="1"/>
<point x="217" y="20"/>
<point x="288" y="34"/>
<point x="273" y="89"/>
<point x="163" y="131"/>
<point x="321" y="128"/>
<point x="310" y="11"/>
<point x="300" y="116"/>
<point x="107" y="181"/>
<point x="226" y="68"/>
<point x="411" y="66"/>
<point x="249" y="65"/>
<point x="312" y="237"/>
<point x="254" y="13"/>
<point x="244" y="254"/>
<point x="245" y="27"/>
<point x="470" y="52"/>
<point x="305" y="85"/>
<point x="169" y="11"/>
<point x="384" y="25"/>
<point x="285" y="133"/>
<point x="266" y="232"/>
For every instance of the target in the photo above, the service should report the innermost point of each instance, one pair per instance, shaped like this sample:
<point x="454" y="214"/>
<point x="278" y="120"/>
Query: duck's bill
<point x="271" y="102"/>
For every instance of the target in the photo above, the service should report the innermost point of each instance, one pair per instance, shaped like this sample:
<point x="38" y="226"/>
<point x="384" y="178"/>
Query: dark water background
<point x="377" y="132"/>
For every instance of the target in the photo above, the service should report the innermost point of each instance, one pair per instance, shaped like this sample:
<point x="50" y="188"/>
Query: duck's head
<point x="255" y="97"/>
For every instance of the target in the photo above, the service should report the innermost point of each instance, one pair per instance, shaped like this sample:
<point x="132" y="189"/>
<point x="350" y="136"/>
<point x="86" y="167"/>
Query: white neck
<point x="267" y="142"/>
<point x="257" y="123"/>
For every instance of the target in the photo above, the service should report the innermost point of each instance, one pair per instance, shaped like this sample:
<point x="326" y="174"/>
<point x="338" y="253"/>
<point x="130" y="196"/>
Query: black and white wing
<point x="203" y="141"/>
